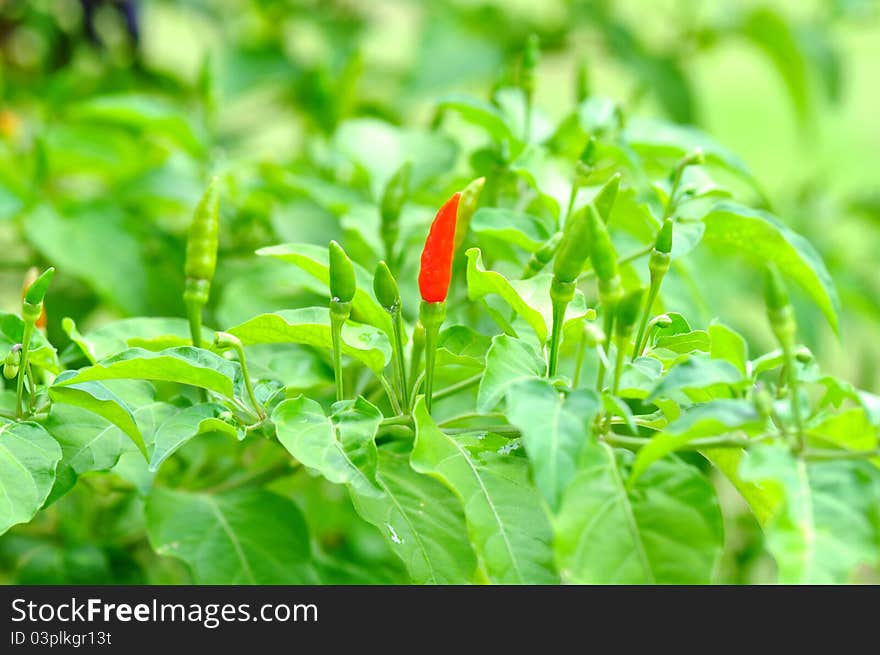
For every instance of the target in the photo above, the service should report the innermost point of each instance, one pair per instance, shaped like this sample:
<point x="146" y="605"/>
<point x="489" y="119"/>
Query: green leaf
<point x="181" y="426"/>
<point x="340" y="447"/>
<point x="314" y="261"/>
<point x="523" y="230"/>
<point x="481" y="113"/>
<point x="185" y="365"/>
<point x="28" y="457"/>
<point x="530" y="298"/>
<point x="761" y="499"/>
<point x="422" y="522"/>
<point x="850" y="429"/>
<point x="554" y="429"/>
<point x="827" y="524"/>
<point x="311" y="326"/>
<point x="729" y="346"/>
<point x="716" y="417"/>
<point x="150" y="333"/>
<point x="666" y="529"/>
<point x="761" y="238"/>
<point x="697" y="374"/>
<point x="508" y="361"/>
<point x="459" y="345"/>
<point x="773" y="35"/>
<point x="687" y="342"/>
<point x="97" y="398"/>
<point x="239" y="537"/>
<point x="506" y="523"/>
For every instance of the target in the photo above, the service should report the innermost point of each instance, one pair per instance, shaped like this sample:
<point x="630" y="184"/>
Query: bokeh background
<point x="113" y="114"/>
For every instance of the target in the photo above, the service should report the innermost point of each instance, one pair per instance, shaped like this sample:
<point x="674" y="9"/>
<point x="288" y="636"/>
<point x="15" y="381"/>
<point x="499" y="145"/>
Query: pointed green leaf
<point x="697" y="374"/>
<point x="667" y="529"/>
<point x="506" y="523"/>
<point x="523" y="230"/>
<point x="554" y="429"/>
<point x="340" y="447"/>
<point x="28" y="457"/>
<point x="239" y="537"/>
<point x="508" y="361"/>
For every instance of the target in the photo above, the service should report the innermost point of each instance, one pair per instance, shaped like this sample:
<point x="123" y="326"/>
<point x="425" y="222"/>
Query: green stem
<point x="467" y="417"/>
<point x="403" y="419"/>
<point x="194" y="314"/>
<point x="722" y="441"/>
<point x="430" y="355"/>
<point x="618" y="363"/>
<point x="397" y="326"/>
<point x="22" y="370"/>
<point x="638" y="254"/>
<point x="32" y="386"/>
<point x="791" y="373"/>
<point x="416" y="386"/>
<point x="496" y="429"/>
<point x="389" y="391"/>
<point x="336" y="323"/>
<point x="459" y="386"/>
<point x="248" y="385"/>
<point x="819" y="454"/>
<point x="643" y="323"/>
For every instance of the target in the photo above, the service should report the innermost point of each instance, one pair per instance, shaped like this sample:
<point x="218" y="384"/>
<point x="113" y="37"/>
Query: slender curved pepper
<point x="36" y="292"/>
<point x="201" y="258"/>
<point x="393" y="199"/>
<point x="342" y="280"/>
<point x="435" y="273"/>
<point x="604" y="259"/>
<point x="29" y="288"/>
<point x="467" y="205"/>
<point x="603" y="201"/>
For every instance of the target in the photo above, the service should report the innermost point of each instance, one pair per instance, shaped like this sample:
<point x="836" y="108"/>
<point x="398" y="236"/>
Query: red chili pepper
<point x="436" y="271"/>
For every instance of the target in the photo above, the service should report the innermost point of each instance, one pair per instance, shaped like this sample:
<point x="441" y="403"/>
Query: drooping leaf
<point x="249" y="536"/>
<point x="728" y="345"/>
<point x="422" y="521"/>
<point x="507" y="526"/>
<point x="760" y="237"/>
<point x="28" y="457"/>
<point x="185" y="365"/>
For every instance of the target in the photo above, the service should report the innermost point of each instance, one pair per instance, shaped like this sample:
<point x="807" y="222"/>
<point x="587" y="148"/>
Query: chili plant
<point x="512" y="393"/>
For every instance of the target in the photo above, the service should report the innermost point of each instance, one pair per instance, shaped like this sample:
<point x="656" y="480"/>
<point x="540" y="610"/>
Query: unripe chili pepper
<point x="32" y="289"/>
<point x="782" y="321"/>
<point x="658" y="265"/>
<point x="627" y="315"/>
<point x="12" y="362"/>
<point x="574" y="247"/>
<point x="604" y="259"/>
<point x="201" y="258"/>
<point x="388" y="295"/>
<point x="342" y="279"/>
<point x="603" y="201"/>
<point x="393" y="199"/>
<point x="467" y="205"/>
<point x="436" y="269"/>
<point x="543" y="256"/>
<point x="530" y="57"/>
<point x="343" y="286"/>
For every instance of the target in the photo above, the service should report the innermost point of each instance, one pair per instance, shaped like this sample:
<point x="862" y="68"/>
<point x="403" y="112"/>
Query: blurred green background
<point x="114" y="115"/>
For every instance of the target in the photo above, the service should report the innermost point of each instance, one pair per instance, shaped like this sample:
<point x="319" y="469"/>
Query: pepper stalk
<point x="658" y="265"/>
<point x="343" y="286"/>
<point x="432" y="315"/>
<point x="388" y="295"/>
<point x="31" y="310"/>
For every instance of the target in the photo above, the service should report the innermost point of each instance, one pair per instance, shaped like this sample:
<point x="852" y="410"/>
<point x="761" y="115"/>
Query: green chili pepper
<point x="393" y="199"/>
<point x="604" y="199"/>
<point x="574" y="247"/>
<point x="388" y="295"/>
<point x="530" y="57"/>
<point x="784" y="326"/>
<point x="36" y="292"/>
<point x="543" y="256"/>
<point x="582" y="81"/>
<point x="467" y="205"/>
<point x="604" y="259"/>
<point x="201" y="258"/>
<point x="342" y="280"/>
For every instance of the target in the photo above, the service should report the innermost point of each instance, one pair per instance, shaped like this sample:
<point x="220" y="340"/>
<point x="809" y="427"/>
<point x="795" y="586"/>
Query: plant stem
<point x="791" y="374"/>
<point x="579" y="362"/>
<point x="459" y="386"/>
<point x="618" y="363"/>
<point x="242" y="361"/>
<point x="416" y="386"/>
<point x="643" y="323"/>
<point x="638" y="254"/>
<point x="23" y="366"/>
<point x="397" y="327"/>
<point x="336" y="323"/>
<point x="194" y="314"/>
<point x="819" y="454"/>
<point x="722" y="441"/>
<point x="403" y="419"/>
<point x="468" y="417"/>
<point x="608" y="327"/>
<point x="496" y="429"/>
<point x="556" y="335"/>
<point x="430" y="357"/>
<point x="389" y="391"/>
